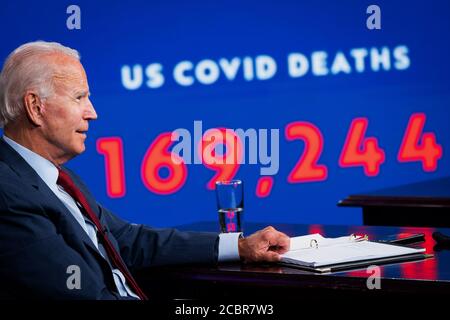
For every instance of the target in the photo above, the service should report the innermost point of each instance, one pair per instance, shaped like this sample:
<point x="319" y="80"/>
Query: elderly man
<point x="50" y="224"/>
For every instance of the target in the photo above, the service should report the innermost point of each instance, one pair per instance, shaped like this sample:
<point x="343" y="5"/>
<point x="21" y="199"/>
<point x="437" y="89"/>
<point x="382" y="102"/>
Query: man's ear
<point x="33" y="107"/>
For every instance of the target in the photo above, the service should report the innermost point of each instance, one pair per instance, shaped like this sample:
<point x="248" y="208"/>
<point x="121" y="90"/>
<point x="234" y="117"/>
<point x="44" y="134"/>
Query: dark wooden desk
<point x="422" y="204"/>
<point x="267" y="282"/>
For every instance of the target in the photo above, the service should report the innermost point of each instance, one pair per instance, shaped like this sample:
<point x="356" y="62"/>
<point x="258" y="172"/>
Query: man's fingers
<point x="282" y="250"/>
<point x="264" y="245"/>
<point x="284" y="242"/>
<point x="271" y="256"/>
<point x="277" y="240"/>
<point x="279" y="250"/>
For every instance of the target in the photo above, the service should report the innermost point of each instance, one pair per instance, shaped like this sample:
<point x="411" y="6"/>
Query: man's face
<point x="66" y="114"/>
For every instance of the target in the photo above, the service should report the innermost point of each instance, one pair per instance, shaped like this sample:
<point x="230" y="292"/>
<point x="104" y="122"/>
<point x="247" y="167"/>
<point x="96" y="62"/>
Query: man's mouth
<point x="81" y="132"/>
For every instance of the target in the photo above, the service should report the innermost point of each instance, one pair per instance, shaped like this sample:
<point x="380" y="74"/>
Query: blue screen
<point x="323" y="103"/>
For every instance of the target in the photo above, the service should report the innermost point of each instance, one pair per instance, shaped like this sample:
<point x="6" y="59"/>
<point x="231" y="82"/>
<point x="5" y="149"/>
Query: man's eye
<point x="79" y="98"/>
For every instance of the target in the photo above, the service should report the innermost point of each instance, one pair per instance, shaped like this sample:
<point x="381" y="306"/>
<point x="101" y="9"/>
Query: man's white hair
<point x="27" y="69"/>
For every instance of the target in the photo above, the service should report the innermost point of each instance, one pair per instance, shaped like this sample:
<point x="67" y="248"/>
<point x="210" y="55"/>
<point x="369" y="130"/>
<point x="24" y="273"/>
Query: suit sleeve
<point x="35" y="260"/>
<point x="143" y="246"/>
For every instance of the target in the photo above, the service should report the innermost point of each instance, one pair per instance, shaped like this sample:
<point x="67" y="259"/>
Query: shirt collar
<point x="44" y="168"/>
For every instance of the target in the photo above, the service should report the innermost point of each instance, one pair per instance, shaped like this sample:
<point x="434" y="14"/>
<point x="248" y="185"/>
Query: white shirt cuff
<point x="228" y="246"/>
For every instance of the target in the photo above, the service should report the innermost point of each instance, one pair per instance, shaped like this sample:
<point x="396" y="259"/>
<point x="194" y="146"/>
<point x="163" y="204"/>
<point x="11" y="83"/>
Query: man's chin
<point x="70" y="154"/>
<point x="81" y="149"/>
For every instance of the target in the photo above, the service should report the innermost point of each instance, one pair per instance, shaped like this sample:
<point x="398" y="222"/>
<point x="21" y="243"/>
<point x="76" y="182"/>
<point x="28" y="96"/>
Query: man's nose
<point x="90" y="114"/>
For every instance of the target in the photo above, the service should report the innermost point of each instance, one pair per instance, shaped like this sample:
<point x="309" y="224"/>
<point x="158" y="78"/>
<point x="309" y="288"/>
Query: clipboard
<point x="359" y="264"/>
<point x="324" y="255"/>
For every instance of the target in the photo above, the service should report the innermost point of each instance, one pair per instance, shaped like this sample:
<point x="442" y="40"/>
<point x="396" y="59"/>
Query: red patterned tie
<point x="65" y="181"/>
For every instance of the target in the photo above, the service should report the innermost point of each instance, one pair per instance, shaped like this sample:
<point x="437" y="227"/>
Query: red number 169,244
<point x="357" y="150"/>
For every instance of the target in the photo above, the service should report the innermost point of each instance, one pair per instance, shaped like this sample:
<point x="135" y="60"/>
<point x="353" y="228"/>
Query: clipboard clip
<point x="352" y="238"/>
<point x="358" y="238"/>
<point x="314" y="244"/>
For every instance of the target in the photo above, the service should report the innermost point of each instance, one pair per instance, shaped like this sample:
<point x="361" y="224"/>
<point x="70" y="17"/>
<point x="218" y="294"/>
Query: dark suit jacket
<point x="40" y="239"/>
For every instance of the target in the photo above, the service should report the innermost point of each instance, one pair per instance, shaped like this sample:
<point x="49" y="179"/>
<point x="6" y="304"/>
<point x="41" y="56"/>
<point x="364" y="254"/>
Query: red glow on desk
<point x="428" y="267"/>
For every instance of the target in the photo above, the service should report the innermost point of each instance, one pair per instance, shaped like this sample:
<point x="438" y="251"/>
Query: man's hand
<point x="264" y="245"/>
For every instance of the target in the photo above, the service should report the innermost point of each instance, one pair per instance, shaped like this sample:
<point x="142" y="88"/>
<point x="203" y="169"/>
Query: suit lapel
<point x="66" y="221"/>
<point x="94" y="206"/>
<point x="89" y="198"/>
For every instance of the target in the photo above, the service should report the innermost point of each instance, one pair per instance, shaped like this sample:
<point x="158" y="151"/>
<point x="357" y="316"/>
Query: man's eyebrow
<point x="82" y="93"/>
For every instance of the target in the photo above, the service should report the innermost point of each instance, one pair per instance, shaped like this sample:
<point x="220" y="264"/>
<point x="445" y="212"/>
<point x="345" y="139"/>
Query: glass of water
<point x="230" y="204"/>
